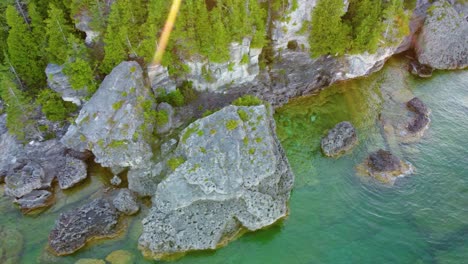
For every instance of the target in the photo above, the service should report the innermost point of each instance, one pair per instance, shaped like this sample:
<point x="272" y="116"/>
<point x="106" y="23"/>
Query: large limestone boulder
<point x="10" y="149"/>
<point x="443" y="41"/>
<point x="111" y="124"/>
<point x="59" y="82"/>
<point x="229" y="172"/>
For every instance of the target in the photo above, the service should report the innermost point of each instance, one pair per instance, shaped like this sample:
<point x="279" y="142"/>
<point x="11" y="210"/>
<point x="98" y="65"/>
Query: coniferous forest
<point x="35" y="33"/>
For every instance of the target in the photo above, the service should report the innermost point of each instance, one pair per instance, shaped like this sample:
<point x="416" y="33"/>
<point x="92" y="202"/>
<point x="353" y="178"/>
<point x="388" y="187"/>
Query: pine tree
<point x="329" y="35"/>
<point x="38" y="27"/>
<point x="23" y="50"/>
<point x="366" y="23"/>
<point x="57" y="31"/>
<point x="18" y="107"/>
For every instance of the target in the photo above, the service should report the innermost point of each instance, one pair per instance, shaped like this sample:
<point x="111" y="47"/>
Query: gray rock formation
<point x="73" y="229"/>
<point x="116" y="181"/>
<point x="229" y="172"/>
<point x="417" y="106"/>
<point x="72" y="172"/>
<point x="339" y="139"/>
<point x="443" y="41"/>
<point x="161" y="129"/>
<point x="111" y="124"/>
<point x="126" y="202"/>
<point x="159" y="78"/>
<point x="35" y="166"/>
<point x="60" y="83"/>
<point x="420" y="70"/>
<point x="83" y="21"/>
<point x="34" y="200"/>
<point x="144" y="180"/>
<point x="10" y="150"/>
<point x="241" y="68"/>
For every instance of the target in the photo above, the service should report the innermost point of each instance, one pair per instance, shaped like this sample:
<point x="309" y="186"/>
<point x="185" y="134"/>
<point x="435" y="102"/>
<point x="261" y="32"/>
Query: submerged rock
<point x="420" y="70"/>
<point x="421" y="120"/>
<point x="385" y="167"/>
<point x="112" y="124"/>
<point x="11" y="245"/>
<point x="126" y="202"/>
<point x="339" y="139"/>
<point x="120" y="257"/>
<point x="73" y="229"/>
<point x="443" y="41"/>
<point x="229" y="173"/>
<point x="418" y="106"/>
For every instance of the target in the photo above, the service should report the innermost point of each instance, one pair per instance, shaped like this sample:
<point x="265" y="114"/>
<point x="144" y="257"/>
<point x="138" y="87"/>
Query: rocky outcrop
<point x="241" y="68"/>
<point x="126" y="202"/>
<point x="59" y="82"/>
<point x="339" y="140"/>
<point x="385" y="167"/>
<point x="159" y="78"/>
<point x="228" y="172"/>
<point x="10" y="150"/>
<point x="420" y="121"/>
<point x="31" y="170"/>
<point x="144" y="180"/>
<point x="73" y="229"/>
<point x="112" y="124"/>
<point x="443" y="41"/>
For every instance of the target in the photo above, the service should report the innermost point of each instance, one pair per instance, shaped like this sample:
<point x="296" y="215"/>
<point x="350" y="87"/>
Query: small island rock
<point x="385" y="167"/>
<point x="126" y="202"/>
<point x="339" y="139"/>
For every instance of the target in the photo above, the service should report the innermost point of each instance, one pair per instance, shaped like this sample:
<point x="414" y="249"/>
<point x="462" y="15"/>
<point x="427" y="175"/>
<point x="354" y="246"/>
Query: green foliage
<point x="53" y="106"/>
<point x="23" y="50"/>
<point x="188" y="92"/>
<point x="161" y="117"/>
<point x="117" y="105"/>
<point x="232" y="124"/>
<point x="174" y="98"/>
<point x="243" y="115"/>
<point x="362" y="28"/>
<point x="81" y="75"/>
<point x="18" y="107"/>
<point x="247" y="100"/>
<point x="122" y="37"/>
<point x="57" y="32"/>
<point x="174" y="163"/>
<point x="329" y="35"/>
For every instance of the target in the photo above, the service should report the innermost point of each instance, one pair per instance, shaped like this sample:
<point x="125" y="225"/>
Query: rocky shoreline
<point x="223" y="173"/>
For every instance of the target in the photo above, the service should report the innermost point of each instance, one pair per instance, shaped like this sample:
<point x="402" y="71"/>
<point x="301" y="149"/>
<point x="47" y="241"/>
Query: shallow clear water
<point x="335" y="216"/>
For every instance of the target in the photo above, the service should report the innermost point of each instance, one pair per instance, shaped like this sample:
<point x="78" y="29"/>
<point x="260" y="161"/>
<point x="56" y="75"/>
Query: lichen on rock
<point x="230" y="180"/>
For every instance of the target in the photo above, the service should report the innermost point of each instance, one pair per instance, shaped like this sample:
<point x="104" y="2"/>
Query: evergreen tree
<point x="122" y="36"/>
<point x="18" y="107"/>
<point x="38" y="27"/>
<point x="366" y="23"/>
<point x="329" y="35"/>
<point x="23" y="50"/>
<point x="57" y="31"/>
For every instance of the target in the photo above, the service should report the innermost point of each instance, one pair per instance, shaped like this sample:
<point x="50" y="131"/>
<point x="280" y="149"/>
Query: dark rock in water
<point x="126" y="202"/>
<point x="383" y="160"/>
<point x="34" y="200"/>
<point x="417" y="106"/>
<point x="385" y="167"/>
<point x="339" y="139"/>
<point x="418" y="124"/>
<point x="11" y="245"/>
<point x="420" y="70"/>
<point x="73" y="229"/>
<point x="73" y="172"/>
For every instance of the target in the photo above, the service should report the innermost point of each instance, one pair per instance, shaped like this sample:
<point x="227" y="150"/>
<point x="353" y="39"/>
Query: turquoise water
<point x="335" y="215"/>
